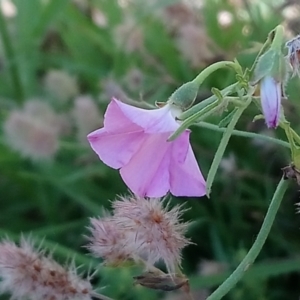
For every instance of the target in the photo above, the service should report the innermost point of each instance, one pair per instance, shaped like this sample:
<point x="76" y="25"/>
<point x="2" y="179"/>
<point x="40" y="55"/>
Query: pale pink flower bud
<point x="33" y="131"/>
<point x="154" y="231"/>
<point x="270" y="91"/>
<point x="29" y="274"/>
<point x="108" y="241"/>
<point x="134" y="140"/>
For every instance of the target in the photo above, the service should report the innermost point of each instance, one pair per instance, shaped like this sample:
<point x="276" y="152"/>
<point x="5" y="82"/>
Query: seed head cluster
<point x="29" y="274"/>
<point x="33" y="131"/>
<point x="140" y="228"/>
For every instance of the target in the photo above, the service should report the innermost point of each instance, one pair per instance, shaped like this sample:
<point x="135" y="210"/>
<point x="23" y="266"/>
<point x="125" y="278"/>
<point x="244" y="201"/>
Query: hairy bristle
<point x="27" y="273"/>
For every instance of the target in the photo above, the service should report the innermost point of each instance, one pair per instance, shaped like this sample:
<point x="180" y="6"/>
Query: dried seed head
<point x="108" y="241"/>
<point x="27" y="273"/>
<point x="33" y="131"/>
<point x="155" y="231"/>
<point x="86" y="116"/>
<point x="61" y="85"/>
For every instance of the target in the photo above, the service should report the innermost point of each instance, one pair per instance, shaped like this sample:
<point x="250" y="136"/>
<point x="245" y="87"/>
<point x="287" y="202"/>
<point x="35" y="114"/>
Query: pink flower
<point x="271" y="100"/>
<point x="134" y="140"/>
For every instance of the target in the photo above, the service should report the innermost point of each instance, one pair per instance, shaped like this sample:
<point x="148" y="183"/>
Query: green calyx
<point x="272" y="63"/>
<point x="185" y="95"/>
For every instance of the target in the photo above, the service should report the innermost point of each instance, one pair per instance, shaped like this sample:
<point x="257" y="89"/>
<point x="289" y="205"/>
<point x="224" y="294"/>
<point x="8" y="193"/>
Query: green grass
<point x="53" y="199"/>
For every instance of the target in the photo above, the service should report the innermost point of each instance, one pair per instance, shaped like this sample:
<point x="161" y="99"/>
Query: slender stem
<point x="249" y="259"/>
<point x="11" y="57"/>
<point x="222" y="146"/>
<point x="212" y="68"/>
<point x="148" y="266"/>
<point x="295" y="136"/>
<point x="100" y="297"/>
<point x="245" y="134"/>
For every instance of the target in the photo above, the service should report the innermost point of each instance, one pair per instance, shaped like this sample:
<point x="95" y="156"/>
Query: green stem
<point x="295" y="136"/>
<point x="11" y="57"/>
<point x="222" y="146"/>
<point x="214" y="67"/>
<point x="256" y="247"/>
<point x="245" y="134"/>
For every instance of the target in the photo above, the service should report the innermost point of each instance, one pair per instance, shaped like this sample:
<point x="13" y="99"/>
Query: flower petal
<point x="116" y="121"/>
<point x="271" y="101"/>
<point x="115" y="150"/>
<point x="186" y="178"/>
<point x="147" y="173"/>
<point x="152" y="121"/>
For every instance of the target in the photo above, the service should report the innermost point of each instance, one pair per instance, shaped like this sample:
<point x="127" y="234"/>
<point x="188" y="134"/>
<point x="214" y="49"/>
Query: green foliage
<point x="52" y="199"/>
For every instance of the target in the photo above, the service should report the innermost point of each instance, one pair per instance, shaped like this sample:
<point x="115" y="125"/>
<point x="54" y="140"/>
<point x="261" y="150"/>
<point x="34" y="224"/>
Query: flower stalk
<point x="223" y="144"/>
<point x="256" y="247"/>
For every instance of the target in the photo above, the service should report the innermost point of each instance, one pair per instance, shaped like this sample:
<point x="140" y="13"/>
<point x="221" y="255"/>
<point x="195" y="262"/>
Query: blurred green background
<point x="60" y="63"/>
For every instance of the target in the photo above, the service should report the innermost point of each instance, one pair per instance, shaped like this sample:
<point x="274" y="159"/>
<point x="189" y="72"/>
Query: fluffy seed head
<point x="86" y="116"/>
<point x="61" y="85"/>
<point x="26" y="273"/>
<point x="108" y="241"/>
<point x="155" y="231"/>
<point x="33" y="131"/>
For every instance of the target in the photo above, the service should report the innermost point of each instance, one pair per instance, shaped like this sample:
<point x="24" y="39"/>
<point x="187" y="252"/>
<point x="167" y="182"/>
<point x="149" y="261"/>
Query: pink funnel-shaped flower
<point x="134" y="140"/>
<point x="271" y="100"/>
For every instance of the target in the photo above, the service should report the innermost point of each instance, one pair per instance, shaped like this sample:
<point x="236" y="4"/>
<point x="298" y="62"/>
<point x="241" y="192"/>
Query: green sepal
<point x="185" y="95"/>
<point x="264" y="66"/>
<point x="279" y="69"/>
<point x="217" y="93"/>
